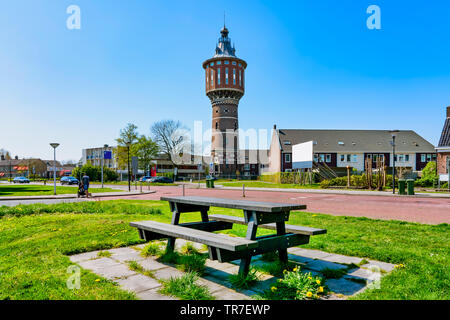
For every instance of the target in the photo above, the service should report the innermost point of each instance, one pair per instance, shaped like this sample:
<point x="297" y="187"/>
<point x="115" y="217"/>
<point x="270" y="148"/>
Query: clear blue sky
<point x="311" y="64"/>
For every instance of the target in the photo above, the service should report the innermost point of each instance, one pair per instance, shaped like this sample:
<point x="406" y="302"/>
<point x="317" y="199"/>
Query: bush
<point x="359" y="181"/>
<point x="95" y="173"/>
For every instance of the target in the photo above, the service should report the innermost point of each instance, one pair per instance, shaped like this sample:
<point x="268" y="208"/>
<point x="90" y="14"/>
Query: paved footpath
<point x="355" y="278"/>
<point x="414" y="209"/>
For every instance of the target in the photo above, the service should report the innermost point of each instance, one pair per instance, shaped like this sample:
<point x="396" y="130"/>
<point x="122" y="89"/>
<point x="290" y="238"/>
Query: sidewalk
<point x="74" y="196"/>
<point x="325" y="191"/>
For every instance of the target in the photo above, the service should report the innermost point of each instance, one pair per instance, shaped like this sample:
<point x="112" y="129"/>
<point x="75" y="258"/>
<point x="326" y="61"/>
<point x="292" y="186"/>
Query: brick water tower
<point x="224" y="75"/>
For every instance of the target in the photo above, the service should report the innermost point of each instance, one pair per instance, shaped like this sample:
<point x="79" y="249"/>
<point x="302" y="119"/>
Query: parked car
<point x="69" y="180"/>
<point x="146" y="179"/>
<point x="21" y="180"/>
<point x="161" y="180"/>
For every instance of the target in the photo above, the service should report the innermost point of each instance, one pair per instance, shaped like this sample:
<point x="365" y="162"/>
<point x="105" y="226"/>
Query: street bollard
<point x="243" y="190"/>
<point x="183" y="190"/>
<point x="141" y="187"/>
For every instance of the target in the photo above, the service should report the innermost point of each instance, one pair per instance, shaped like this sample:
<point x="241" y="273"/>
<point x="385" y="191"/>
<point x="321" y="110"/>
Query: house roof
<point x="445" y="136"/>
<point x="357" y="141"/>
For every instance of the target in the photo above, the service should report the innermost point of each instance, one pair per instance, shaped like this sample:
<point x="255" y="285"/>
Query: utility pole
<point x="54" y="146"/>
<point x="393" y="134"/>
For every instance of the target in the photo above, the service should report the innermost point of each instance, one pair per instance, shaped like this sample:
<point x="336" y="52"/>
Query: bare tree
<point x="171" y="139"/>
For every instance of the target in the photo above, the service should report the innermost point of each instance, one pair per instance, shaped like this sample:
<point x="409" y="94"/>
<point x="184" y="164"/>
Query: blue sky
<point x="311" y="64"/>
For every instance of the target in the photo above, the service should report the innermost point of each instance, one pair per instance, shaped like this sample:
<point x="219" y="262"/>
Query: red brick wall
<point x="442" y="162"/>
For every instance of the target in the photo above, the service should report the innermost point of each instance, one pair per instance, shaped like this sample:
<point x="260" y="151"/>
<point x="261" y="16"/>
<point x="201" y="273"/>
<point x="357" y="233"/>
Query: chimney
<point x="448" y="112"/>
<point x="275" y="126"/>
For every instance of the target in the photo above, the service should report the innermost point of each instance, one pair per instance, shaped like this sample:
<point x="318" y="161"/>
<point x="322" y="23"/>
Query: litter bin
<point x="401" y="186"/>
<point x="410" y="184"/>
<point x="210" y="183"/>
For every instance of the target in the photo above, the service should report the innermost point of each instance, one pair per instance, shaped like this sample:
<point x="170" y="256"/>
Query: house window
<point x="316" y="157"/>
<point x="246" y="167"/>
<point x="355" y="158"/>
<point x="406" y="157"/>
<point x="322" y="157"/>
<point x="349" y="156"/>
<point x="429" y="157"/>
<point x="287" y="142"/>
<point x="287" y="157"/>
<point x="342" y="157"/>
<point x="328" y="158"/>
<point x="423" y="157"/>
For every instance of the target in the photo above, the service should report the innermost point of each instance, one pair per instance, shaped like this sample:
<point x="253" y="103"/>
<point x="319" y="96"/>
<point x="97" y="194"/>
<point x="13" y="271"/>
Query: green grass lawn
<point x="38" y="190"/>
<point x="35" y="241"/>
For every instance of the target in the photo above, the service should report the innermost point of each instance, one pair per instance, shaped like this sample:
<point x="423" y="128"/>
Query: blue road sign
<point x="107" y="154"/>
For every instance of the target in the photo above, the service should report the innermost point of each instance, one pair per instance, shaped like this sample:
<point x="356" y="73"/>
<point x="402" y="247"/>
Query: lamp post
<point x="103" y="160"/>
<point x="54" y="146"/>
<point x="393" y="134"/>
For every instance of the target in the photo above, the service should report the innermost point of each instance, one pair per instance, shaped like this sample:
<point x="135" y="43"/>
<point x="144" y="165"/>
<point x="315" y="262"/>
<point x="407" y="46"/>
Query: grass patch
<point x="152" y="249"/>
<point x="192" y="263"/>
<point x="106" y="254"/>
<point x="185" y="288"/>
<point x="244" y="282"/>
<point x="135" y="266"/>
<point x="37" y="190"/>
<point x="333" y="273"/>
<point x="189" y="248"/>
<point x="276" y="268"/>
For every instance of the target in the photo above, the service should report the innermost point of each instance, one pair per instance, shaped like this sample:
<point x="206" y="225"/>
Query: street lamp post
<point x="393" y="134"/>
<point x="54" y="146"/>
<point x="103" y="160"/>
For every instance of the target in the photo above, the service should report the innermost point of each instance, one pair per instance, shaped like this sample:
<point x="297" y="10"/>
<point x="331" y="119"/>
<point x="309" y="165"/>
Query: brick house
<point x="443" y="148"/>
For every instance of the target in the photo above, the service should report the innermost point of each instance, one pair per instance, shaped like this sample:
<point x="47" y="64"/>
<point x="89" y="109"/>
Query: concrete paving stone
<point x="211" y="285"/>
<point x="167" y="273"/>
<point x="338" y="258"/>
<point x="361" y="273"/>
<point x="227" y="294"/>
<point x="151" y="264"/>
<point x="124" y="256"/>
<point x="141" y="246"/>
<point x="319" y="265"/>
<point x="387" y="267"/>
<point x="97" y="264"/>
<point x="308" y="253"/>
<point x="214" y="264"/>
<point x="138" y="283"/>
<point x="344" y="286"/>
<point x="84" y="256"/>
<point x="115" y="272"/>
<point x="299" y="259"/>
<point x="313" y="273"/>
<point x="153" y="294"/>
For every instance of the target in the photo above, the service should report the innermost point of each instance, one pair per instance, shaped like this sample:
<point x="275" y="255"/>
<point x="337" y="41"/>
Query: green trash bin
<point x="207" y="183"/>
<point x="410" y="184"/>
<point x="211" y="183"/>
<point x="401" y="186"/>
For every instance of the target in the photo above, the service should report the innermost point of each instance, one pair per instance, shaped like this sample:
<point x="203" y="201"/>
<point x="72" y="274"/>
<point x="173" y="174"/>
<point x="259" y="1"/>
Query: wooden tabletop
<point x="236" y="204"/>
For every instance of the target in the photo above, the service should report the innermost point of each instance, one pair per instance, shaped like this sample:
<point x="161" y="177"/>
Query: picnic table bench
<point x="226" y="248"/>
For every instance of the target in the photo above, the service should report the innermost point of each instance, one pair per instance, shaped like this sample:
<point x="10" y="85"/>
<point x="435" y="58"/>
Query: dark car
<point x="21" y="180"/>
<point x="161" y="180"/>
<point x="146" y="179"/>
<point x="69" y="180"/>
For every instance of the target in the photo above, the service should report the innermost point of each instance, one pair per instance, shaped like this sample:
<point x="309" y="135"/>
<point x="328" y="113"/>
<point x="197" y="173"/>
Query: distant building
<point x="94" y="156"/>
<point x="33" y="166"/>
<point x="342" y="148"/>
<point x="443" y="148"/>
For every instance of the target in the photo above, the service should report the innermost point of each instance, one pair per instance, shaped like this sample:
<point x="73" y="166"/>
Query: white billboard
<point x="302" y="155"/>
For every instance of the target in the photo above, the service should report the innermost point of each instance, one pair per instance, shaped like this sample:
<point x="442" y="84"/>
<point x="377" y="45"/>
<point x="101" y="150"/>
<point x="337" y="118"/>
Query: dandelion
<point x="273" y="289"/>
<point x="97" y="280"/>
<point x="309" y="294"/>
<point x="295" y="269"/>
<point x="320" y="289"/>
<point x="318" y="281"/>
<point x="309" y="278"/>
<point x="314" y="215"/>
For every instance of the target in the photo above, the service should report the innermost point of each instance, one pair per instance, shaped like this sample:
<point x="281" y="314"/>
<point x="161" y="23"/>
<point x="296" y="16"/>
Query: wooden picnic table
<point x="224" y="248"/>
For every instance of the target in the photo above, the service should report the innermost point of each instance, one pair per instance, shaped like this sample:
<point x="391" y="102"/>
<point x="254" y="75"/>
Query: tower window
<point x="211" y="64"/>
<point x="218" y="76"/>
<point x="217" y="125"/>
<point x="240" y="65"/>
<point x="234" y="63"/>
<point x="219" y="62"/>
<point x="212" y="77"/>
<point x="226" y="75"/>
<point x="240" y="78"/>
<point x="226" y="62"/>
<point x="234" y="76"/>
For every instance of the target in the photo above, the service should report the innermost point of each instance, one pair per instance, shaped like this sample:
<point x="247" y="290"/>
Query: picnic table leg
<point x="244" y="266"/>
<point x="282" y="253"/>
<point x="175" y="220"/>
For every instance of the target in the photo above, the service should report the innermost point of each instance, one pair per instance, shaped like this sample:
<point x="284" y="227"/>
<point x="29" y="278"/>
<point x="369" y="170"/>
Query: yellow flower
<point x="318" y="281"/>
<point x="284" y="271"/>
<point x="279" y="280"/>
<point x="320" y="289"/>
<point x="309" y="278"/>
<point x="97" y="280"/>
<point x="273" y="289"/>
<point x="295" y="269"/>
<point x="309" y="294"/>
<point x="314" y="215"/>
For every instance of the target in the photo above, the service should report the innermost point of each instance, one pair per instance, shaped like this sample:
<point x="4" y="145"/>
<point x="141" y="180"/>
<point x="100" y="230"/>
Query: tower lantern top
<point x="224" y="48"/>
